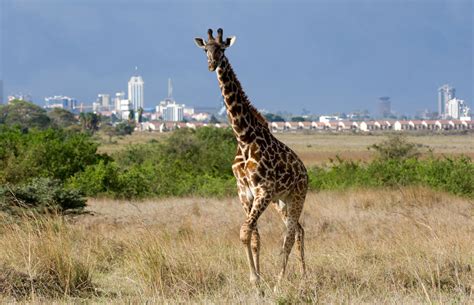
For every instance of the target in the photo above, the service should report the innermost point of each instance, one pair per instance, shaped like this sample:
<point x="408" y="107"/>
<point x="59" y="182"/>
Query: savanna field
<point x="392" y="224"/>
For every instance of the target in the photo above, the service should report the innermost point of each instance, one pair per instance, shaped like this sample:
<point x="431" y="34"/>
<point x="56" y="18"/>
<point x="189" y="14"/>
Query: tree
<point x="214" y="120"/>
<point x="62" y="118"/>
<point x="24" y="114"/>
<point x="274" y="117"/>
<point x="140" y="115"/>
<point x="396" y="147"/>
<point x="297" y="119"/>
<point x="55" y="153"/>
<point x="110" y="131"/>
<point x="124" y="128"/>
<point x="131" y="116"/>
<point x="89" y="121"/>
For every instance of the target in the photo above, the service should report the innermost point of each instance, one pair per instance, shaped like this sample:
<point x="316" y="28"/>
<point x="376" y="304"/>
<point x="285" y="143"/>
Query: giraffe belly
<point x="250" y="194"/>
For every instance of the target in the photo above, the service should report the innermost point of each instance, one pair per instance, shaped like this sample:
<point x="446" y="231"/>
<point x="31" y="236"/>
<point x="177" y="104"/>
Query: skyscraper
<point x="445" y="93"/>
<point x="104" y="101"/>
<point x="119" y="96"/>
<point x="384" y="107"/>
<point x="135" y="92"/>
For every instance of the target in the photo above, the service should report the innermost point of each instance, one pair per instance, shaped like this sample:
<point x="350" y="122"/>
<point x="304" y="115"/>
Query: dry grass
<point x="316" y="148"/>
<point x="411" y="245"/>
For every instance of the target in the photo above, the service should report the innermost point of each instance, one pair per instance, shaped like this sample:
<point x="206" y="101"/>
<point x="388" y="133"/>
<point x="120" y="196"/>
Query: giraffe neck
<point x="244" y="118"/>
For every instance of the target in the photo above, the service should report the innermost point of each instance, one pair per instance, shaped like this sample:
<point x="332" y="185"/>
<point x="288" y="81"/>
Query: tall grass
<point x="409" y="245"/>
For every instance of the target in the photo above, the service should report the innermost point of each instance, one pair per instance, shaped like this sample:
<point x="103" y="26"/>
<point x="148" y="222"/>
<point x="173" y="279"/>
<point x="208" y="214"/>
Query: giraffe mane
<point x="252" y="108"/>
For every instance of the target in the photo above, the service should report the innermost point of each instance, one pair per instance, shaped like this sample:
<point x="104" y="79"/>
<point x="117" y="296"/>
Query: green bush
<point x="40" y="195"/>
<point x="454" y="175"/>
<point x="396" y="147"/>
<point x="189" y="162"/>
<point x="24" y="115"/>
<point x="53" y="153"/>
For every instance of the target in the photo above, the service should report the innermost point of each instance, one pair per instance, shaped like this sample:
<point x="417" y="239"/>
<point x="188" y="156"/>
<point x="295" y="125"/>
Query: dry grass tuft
<point x="410" y="245"/>
<point x="40" y="258"/>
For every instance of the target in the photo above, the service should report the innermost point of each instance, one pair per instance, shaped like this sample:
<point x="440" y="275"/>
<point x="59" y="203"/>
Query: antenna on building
<point x="170" y="89"/>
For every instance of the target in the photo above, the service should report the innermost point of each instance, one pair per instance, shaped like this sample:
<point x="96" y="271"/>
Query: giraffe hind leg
<point x="294" y="232"/>
<point x="300" y="247"/>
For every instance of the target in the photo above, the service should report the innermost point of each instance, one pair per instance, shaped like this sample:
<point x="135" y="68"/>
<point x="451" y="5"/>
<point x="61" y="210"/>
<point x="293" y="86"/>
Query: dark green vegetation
<point x="189" y="162"/>
<point x="34" y="164"/>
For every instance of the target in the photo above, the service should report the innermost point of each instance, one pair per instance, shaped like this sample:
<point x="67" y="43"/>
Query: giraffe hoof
<point x="277" y="289"/>
<point x="255" y="279"/>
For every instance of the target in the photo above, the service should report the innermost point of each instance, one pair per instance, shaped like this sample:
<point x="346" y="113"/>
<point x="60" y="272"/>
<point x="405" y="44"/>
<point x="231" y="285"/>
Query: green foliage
<point x="189" y="162"/>
<point x="131" y="116"/>
<point x="396" y="147"/>
<point x="40" y="195"/>
<point x="24" y="114"/>
<point x="53" y="153"/>
<point x="62" y="118"/>
<point x="446" y="174"/>
<point x="89" y="121"/>
<point x="298" y="119"/>
<point x="274" y="117"/>
<point x="397" y="164"/>
<point x="124" y="128"/>
<point x="140" y="115"/>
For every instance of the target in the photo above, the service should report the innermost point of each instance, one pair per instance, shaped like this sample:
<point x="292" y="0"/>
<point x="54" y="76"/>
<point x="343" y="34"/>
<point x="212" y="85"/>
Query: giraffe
<point x="267" y="171"/>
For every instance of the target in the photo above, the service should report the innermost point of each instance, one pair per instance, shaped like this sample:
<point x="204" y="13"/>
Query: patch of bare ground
<point x="411" y="245"/>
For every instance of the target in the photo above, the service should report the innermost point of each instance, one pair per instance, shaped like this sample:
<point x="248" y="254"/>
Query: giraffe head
<point x="214" y="48"/>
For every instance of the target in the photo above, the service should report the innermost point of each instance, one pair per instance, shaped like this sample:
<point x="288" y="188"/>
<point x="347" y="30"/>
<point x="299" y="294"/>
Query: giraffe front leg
<point x="250" y="237"/>
<point x="255" y="245"/>
<point x="245" y="237"/>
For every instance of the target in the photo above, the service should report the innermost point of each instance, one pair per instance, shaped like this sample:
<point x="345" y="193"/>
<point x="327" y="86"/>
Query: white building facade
<point x="104" y="101"/>
<point x="457" y="109"/>
<point x="59" y="101"/>
<point x="173" y="113"/>
<point x="445" y="93"/>
<point x="136" y="92"/>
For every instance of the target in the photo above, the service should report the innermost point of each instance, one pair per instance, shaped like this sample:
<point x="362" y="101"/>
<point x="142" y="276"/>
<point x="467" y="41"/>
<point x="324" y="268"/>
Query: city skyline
<point x="351" y="54"/>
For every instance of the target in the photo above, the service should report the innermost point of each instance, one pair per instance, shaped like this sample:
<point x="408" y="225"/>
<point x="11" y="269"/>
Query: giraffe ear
<point x="230" y="41"/>
<point x="200" y="43"/>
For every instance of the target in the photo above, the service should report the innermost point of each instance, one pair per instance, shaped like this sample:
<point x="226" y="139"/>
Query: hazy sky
<point x="325" y="56"/>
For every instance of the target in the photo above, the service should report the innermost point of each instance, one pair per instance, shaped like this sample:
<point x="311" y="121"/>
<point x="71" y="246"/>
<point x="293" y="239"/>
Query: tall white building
<point x="125" y="108"/>
<point x="118" y="97"/>
<point x="173" y="112"/>
<point x="457" y="109"/>
<point x="104" y="101"/>
<point x="445" y="93"/>
<point x="135" y="92"/>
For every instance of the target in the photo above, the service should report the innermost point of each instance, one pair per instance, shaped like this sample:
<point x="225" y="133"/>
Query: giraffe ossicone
<point x="267" y="171"/>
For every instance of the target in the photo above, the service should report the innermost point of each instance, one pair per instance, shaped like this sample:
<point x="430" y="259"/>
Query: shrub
<point x="53" y="153"/>
<point x="101" y="178"/>
<point x="189" y="162"/>
<point x="40" y="195"/>
<point x="454" y="175"/>
<point x="396" y="147"/>
<point x="24" y="115"/>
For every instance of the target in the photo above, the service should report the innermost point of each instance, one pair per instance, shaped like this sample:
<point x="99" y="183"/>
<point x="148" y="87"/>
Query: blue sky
<point x="325" y="56"/>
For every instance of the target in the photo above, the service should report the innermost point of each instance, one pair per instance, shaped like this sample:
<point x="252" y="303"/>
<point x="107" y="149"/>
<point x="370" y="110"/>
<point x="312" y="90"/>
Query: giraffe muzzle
<point x="212" y="66"/>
